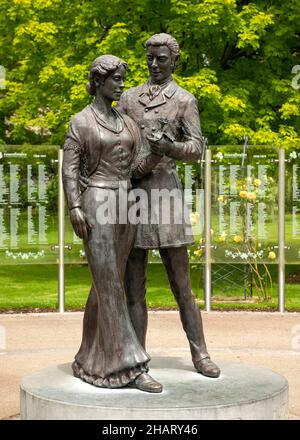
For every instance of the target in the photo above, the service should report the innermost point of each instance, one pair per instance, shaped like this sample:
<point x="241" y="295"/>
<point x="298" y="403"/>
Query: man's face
<point x="160" y="63"/>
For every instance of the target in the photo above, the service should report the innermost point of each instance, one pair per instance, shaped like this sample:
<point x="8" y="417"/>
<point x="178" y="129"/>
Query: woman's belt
<point x="109" y="184"/>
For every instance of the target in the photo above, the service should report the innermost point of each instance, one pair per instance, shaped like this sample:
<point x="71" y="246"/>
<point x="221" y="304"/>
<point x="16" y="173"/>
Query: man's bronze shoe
<point x="207" y="367"/>
<point x="145" y="382"/>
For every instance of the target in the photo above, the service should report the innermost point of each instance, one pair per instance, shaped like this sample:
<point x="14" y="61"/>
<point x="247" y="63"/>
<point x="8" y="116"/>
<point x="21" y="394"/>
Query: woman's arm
<point x="70" y="173"/>
<point x="73" y="148"/>
<point x="145" y="165"/>
<point x="143" y="160"/>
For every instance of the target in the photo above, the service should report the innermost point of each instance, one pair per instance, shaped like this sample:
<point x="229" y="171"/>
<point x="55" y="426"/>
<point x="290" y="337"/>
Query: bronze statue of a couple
<point x="105" y="147"/>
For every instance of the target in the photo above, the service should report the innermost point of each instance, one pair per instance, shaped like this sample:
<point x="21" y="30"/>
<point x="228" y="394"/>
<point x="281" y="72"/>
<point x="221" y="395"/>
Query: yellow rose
<point x="251" y="196"/>
<point x="222" y="237"/>
<point x="272" y="255"/>
<point x="220" y="199"/>
<point x="257" y="182"/>
<point x="237" y="238"/>
<point x="194" y="217"/>
<point x="243" y="194"/>
<point x="198" y="252"/>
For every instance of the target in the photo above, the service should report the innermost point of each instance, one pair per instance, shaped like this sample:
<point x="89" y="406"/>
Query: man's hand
<point x="80" y="223"/>
<point x="159" y="146"/>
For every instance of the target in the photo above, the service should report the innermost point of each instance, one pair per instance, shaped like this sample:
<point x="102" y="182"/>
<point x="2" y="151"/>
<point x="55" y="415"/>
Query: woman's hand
<point x="80" y="223"/>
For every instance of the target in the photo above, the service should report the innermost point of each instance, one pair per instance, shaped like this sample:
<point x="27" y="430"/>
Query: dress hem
<point x="118" y="379"/>
<point x="188" y="243"/>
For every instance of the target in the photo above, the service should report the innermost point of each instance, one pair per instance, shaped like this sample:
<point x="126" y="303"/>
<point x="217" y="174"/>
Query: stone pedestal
<point x="241" y="392"/>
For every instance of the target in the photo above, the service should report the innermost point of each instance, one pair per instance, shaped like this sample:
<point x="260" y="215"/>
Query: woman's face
<point x="113" y="85"/>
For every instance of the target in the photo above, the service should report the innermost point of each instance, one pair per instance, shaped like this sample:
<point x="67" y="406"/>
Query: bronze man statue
<point x="161" y="99"/>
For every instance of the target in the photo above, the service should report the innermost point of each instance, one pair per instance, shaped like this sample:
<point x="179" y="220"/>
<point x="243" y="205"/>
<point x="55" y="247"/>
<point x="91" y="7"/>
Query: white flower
<point x="25" y="256"/>
<point x="293" y="155"/>
<point x="244" y="255"/>
<point x="155" y="253"/>
<point x="219" y="155"/>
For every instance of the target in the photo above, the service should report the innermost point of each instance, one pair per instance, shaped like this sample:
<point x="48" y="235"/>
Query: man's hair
<point x="103" y="66"/>
<point x="164" y="40"/>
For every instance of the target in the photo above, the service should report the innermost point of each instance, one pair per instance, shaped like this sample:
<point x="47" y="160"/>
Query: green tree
<point x="237" y="58"/>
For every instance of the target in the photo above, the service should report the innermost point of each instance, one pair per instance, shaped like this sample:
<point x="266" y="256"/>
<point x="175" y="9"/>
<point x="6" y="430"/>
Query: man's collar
<point x="168" y="91"/>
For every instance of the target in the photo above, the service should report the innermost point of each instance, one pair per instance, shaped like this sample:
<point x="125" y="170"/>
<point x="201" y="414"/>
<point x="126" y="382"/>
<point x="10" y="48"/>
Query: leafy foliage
<point x="237" y="58"/>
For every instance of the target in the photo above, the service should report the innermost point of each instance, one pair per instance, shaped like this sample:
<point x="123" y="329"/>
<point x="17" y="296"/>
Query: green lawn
<point x="35" y="286"/>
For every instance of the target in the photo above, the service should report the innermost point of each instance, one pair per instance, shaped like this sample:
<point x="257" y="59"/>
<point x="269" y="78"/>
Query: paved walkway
<point x="29" y="342"/>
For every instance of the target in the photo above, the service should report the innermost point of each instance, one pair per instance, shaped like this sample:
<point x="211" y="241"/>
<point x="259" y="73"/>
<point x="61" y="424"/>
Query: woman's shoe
<point x="145" y="382"/>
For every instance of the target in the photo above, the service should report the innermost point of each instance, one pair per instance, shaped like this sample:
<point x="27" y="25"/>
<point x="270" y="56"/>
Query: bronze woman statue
<point x="106" y="147"/>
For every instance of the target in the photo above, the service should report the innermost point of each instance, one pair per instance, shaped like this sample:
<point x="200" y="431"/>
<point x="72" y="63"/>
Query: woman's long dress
<point x="110" y="354"/>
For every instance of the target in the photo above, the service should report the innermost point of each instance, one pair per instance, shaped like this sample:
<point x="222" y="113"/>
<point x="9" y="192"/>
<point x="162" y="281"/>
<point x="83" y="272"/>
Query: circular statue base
<point x="241" y="392"/>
